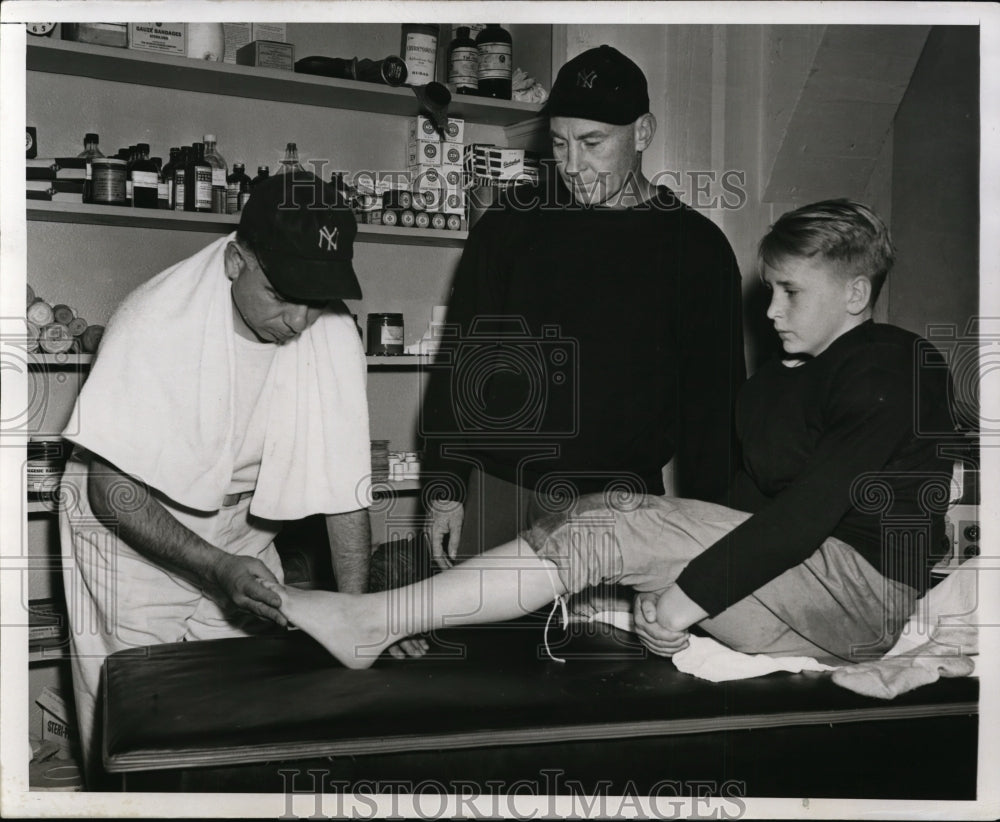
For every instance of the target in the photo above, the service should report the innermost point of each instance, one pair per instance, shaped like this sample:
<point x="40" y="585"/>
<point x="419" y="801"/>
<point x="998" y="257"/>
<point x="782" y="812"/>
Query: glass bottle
<point x="144" y="178"/>
<point x="237" y="189"/>
<point x="166" y="192"/>
<point x="91" y="151"/>
<point x="263" y="172"/>
<point x="177" y="184"/>
<point x="130" y="155"/>
<point x="419" y="52"/>
<point x="495" y="62"/>
<point x="463" y="62"/>
<point x="290" y="164"/>
<point x="198" y="181"/>
<point x="219" y="173"/>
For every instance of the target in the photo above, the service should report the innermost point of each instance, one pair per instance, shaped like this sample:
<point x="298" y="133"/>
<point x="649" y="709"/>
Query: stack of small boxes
<point x="435" y="168"/>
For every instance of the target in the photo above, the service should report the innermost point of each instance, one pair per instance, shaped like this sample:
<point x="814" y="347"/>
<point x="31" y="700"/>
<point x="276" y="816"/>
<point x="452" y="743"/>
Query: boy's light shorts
<point x="834" y="605"/>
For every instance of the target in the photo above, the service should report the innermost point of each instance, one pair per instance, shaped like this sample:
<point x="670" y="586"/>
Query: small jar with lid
<point x="107" y="181"/>
<point x="46" y="461"/>
<point x="385" y="334"/>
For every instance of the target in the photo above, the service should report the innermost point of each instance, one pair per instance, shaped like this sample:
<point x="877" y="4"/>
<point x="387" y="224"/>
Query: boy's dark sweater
<point x="832" y="447"/>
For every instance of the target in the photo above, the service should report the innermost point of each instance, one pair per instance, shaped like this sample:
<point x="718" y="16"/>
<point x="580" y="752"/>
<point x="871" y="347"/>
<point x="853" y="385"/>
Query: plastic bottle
<point x="419" y="51"/>
<point x="291" y="162"/>
<point x="198" y="181"/>
<point x="237" y="189"/>
<point x="263" y="172"/>
<point x="219" y="173"/>
<point x="177" y="184"/>
<point x="463" y="62"/>
<point x="91" y="151"/>
<point x="144" y="178"/>
<point x="165" y="197"/>
<point x="496" y="64"/>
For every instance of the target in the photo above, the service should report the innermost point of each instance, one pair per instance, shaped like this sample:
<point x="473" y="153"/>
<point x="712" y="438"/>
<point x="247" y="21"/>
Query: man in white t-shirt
<point x="228" y="396"/>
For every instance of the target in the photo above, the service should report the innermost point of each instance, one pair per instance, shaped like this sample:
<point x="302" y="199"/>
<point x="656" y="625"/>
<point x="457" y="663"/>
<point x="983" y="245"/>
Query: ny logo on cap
<point x="586" y="80"/>
<point x="329" y="237"/>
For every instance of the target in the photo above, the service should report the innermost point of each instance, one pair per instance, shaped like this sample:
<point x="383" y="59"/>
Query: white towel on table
<point x="709" y="659"/>
<point x="158" y="403"/>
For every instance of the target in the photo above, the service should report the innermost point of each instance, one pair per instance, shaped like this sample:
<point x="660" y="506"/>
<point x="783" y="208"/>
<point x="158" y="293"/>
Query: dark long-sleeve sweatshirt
<point x="601" y="342"/>
<point x="845" y="444"/>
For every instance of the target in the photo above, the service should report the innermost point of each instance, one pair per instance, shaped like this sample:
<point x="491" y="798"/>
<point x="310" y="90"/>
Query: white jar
<point x="206" y="41"/>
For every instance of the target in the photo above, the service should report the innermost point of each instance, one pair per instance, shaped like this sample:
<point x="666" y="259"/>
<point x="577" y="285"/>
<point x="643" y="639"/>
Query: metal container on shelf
<point x="385" y="334"/>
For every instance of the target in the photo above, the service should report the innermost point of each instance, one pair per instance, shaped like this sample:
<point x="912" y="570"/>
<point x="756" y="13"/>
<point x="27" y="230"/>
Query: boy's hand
<point x="654" y="636"/>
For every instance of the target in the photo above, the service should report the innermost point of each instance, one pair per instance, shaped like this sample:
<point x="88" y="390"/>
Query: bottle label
<point x="163" y="193"/>
<point x="179" y="192"/>
<point x="420" y="53"/>
<point x="232" y="198"/>
<point x="144" y="179"/>
<point x="203" y="188"/>
<point x="219" y="177"/>
<point x="464" y="67"/>
<point x="392" y="335"/>
<point x="88" y="173"/>
<point x="109" y="186"/>
<point x="128" y="189"/>
<point x="494" y="61"/>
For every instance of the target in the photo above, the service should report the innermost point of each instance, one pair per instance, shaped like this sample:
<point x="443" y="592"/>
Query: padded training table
<point x="487" y="705"/>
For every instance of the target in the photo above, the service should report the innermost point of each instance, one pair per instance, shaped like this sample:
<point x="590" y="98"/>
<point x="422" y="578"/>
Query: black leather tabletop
<point x="259" y="699"/>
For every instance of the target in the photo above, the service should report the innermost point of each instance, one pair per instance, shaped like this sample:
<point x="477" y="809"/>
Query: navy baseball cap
<point x="302" y="231"/>
<point x="602" y="84"/>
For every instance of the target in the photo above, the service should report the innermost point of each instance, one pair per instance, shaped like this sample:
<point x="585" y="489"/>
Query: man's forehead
<point x="577" y="127"/>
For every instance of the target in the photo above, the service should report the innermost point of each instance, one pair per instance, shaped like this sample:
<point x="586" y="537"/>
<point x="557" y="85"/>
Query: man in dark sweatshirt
<point x="597" y="333"/>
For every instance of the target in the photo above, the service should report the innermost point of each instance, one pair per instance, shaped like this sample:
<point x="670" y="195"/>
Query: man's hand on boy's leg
<point x="660" y="640"/>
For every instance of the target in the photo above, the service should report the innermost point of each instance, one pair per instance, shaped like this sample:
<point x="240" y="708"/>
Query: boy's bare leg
<point x="502" y="583"/>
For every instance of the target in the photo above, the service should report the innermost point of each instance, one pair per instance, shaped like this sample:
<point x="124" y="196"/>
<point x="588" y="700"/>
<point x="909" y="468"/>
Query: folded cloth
<point x="939" y="640"/>
<point x="158" y="402"/>
<point x="709" y="659"/>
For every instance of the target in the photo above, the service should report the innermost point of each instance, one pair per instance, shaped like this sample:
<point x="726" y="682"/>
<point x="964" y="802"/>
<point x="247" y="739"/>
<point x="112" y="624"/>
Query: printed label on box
<point x="168" y="38"/>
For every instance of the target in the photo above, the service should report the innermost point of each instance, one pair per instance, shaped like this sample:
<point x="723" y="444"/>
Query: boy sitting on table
<point x="831" y="445"/>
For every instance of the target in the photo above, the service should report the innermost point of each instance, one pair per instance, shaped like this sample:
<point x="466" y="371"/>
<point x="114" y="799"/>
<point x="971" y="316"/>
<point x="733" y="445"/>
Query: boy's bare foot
<point x="346" y="625"/>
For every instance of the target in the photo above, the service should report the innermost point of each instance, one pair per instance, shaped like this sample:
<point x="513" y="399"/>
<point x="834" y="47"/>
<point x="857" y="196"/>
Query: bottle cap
<point x="143" y="147"/>
<point x="91" y="138"/>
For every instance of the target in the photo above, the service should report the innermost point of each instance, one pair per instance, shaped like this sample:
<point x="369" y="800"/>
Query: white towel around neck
<point x="158" y="403"/>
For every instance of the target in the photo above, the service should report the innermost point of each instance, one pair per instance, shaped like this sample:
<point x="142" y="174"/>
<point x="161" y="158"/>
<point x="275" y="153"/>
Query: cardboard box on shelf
<point x="55" y="719"/>
<point x="239" y="34"/>
<point x="453" y="175"/>
<point x="422" y="127"/>
<point x="267" y="54"/>
<point x="166" y="38"/>
<point x="423" y="152"/>
<point x="98" y="34"/>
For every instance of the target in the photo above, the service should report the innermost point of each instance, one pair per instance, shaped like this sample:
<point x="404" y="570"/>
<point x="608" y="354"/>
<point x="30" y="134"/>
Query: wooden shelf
<point x="407" y="361"/>
<point x="50" y="362"/>
<point x="126" y="217"/>
<point x="39" y="361"/>
<point x="381" y="487"/>
<point x="54" y="653"/>
<point x="183" y="74"/>
<point x="41" y="506"/>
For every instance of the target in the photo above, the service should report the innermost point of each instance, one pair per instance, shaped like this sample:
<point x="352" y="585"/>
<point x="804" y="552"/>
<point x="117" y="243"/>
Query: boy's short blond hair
<point x="841" y="231"/>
